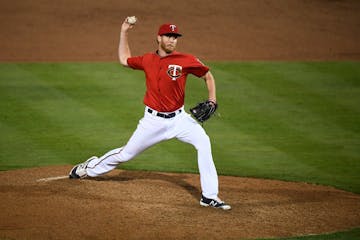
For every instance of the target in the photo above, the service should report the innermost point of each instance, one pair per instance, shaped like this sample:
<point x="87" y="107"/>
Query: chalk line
<point x="52" y="178"/>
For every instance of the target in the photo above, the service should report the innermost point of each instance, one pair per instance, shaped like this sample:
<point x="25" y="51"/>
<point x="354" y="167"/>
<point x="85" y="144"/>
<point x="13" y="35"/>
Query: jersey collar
<point x="172" y="54"/>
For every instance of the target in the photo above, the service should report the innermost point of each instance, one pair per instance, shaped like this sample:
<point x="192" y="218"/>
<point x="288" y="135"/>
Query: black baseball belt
<point x="163" y="115"/>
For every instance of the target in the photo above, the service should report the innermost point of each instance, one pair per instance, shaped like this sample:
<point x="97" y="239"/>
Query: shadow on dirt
<point x="140" y="175"/>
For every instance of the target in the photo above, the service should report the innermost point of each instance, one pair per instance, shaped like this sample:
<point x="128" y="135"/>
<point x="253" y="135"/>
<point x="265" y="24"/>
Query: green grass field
<point x="297" y="121"/>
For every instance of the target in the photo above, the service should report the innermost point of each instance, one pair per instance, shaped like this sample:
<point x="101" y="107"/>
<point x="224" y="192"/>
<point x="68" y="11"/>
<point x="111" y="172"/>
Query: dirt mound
<point x="154" y="205"/>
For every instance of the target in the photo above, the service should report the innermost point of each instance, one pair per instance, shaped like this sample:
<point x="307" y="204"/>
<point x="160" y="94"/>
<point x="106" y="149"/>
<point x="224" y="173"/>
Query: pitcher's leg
<point x="148" y="132"/>
<point x="106" y="163"/>
<point x="191" y="132"/>
<point x="207" y="169"/>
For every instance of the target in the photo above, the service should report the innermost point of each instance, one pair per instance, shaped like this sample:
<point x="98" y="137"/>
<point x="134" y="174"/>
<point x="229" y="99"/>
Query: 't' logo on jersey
<point x="174" y="71"/>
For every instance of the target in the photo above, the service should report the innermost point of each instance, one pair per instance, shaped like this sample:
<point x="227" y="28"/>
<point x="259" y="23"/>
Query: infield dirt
<point x="154" y="205"/>
<point x="151" y="205"/>
<point x="80" y="30"/>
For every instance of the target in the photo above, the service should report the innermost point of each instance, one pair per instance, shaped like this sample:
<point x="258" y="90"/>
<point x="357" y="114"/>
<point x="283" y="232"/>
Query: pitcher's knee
<point x="203" y="142"/>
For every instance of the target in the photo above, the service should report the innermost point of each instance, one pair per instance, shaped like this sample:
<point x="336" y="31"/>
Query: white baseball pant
<point x="152" y="130"/>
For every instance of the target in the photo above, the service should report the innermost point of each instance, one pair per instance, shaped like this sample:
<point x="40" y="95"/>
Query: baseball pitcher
<point x="166" y="71"/>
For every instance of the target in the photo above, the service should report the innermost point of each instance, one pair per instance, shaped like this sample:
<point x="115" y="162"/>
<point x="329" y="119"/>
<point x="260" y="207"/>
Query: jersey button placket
<point x="158" y="81"/>
<point x="158" y="78"/>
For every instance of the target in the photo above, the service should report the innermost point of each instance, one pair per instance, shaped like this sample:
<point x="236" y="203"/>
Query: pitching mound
<point x="152" y="205"/>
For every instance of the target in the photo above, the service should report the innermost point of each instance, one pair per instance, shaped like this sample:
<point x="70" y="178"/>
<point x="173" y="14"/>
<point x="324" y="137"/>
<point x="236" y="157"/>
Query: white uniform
<point x="153" y="129"/>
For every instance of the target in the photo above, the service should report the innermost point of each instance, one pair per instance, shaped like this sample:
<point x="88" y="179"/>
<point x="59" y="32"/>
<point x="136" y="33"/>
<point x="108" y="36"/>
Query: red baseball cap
<point x="169" y="28"/>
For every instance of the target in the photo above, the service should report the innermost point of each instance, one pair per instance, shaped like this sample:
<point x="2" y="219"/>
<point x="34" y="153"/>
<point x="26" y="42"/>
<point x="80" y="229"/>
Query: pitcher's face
<point x="167" y="42"/>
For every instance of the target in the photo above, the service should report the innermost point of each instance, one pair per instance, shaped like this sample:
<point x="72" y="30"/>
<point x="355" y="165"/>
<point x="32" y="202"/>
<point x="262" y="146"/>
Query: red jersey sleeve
<point x="136" y="62"/>
<point x="197" y="68"/>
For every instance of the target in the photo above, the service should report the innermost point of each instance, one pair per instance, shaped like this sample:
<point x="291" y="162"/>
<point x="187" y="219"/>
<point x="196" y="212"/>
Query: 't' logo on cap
<point x="173" y="27"/>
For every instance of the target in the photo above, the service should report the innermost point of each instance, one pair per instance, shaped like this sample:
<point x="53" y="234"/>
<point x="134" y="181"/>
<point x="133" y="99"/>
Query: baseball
<point x="131" y="20"/>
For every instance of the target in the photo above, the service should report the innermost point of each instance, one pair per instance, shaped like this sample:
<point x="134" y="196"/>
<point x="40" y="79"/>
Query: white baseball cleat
<point x="79" y="171"/>
<point x="215" y="203"/>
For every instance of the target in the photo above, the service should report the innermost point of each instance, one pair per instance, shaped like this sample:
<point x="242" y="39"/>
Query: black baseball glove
<point x="204" y="110"/>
